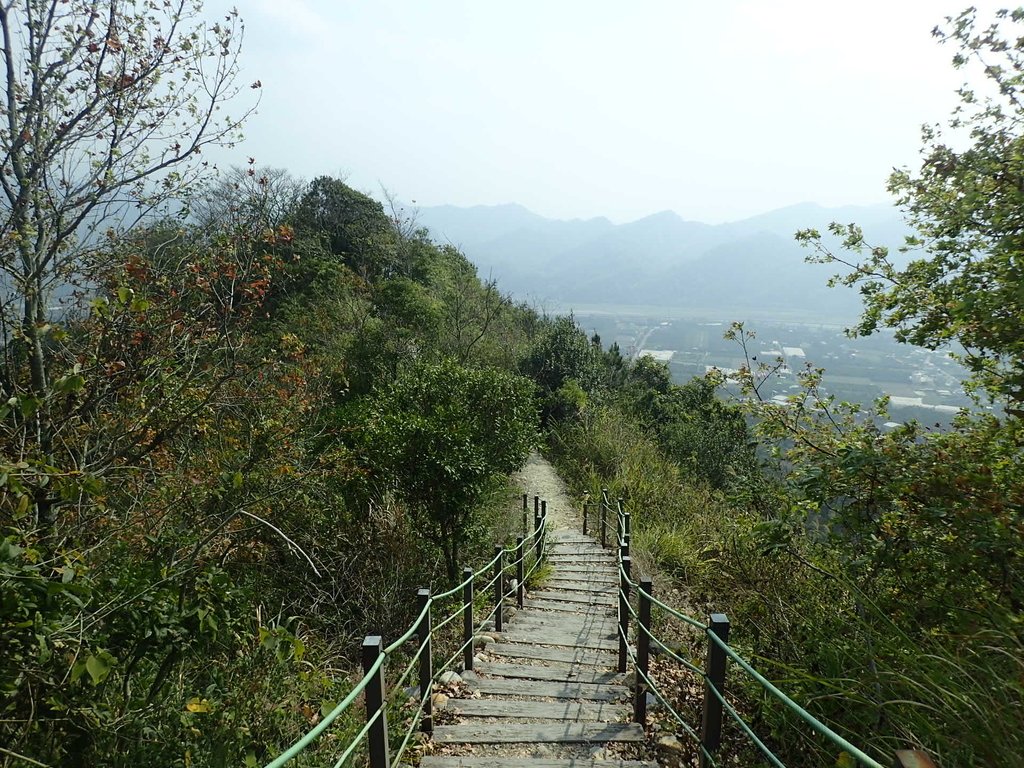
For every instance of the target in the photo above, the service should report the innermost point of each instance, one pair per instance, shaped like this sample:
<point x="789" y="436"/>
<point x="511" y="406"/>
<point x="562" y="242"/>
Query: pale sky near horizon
<point x="716" y="110"/>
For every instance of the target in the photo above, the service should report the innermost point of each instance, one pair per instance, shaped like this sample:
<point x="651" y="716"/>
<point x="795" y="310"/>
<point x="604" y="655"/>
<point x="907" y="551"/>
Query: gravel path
<point x="538" y="478"/>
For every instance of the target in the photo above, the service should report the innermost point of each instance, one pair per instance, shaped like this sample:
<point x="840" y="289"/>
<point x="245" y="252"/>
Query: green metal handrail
<point x="309" y="737"/>
<point x="767" y="685"/>
<point x="320" y="727"/>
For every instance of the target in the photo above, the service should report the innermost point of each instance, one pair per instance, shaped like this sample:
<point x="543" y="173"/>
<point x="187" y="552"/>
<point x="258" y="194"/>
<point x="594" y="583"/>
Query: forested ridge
<point x="234" y="436"/>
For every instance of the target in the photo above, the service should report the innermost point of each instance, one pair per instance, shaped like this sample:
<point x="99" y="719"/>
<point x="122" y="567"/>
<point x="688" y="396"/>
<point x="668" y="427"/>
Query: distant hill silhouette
<point x="660" y="259"/>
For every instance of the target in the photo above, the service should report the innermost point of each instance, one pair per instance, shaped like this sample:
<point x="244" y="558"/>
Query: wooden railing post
<point x="586" y="507"/>
<point x="624" y="613"/>
<point x="377" y="736"/>
<point x="627" y="524"/>
<point x="426" y="661"/>
<point x="526" y="506"/>
<point x="643" y="652"/>
<point x="624" y="547"/>
<point x="467" y="619"/>
<point x="499" y="586"/>
<point x="520" y="571"/>
<point x="536" y="507"/>
<point x="711" y="729"/>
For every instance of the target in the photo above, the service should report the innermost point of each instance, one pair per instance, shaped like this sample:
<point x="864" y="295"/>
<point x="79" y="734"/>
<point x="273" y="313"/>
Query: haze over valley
<point x="669" y="287"/>
<point x="663" y="260"/>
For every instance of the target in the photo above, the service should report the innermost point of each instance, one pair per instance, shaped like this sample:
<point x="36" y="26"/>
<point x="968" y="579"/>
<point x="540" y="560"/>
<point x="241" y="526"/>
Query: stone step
<point x="540" y="710"/>
<point x="541" y="653"/>
<point x="499" y="686"/>
<point x="553" y="671"/>
<point x="538" y="733"/>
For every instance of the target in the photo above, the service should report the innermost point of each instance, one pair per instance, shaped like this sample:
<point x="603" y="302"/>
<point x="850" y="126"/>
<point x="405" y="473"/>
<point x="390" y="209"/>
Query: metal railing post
<point x="426" y="661"/>
<point x="624" y="612"/>
<point x="544" y="531"/>
<point x="536" y="531"/>
<point x="467" y="619"/>
<point x="520" y="571"/>
<point x="620" y="527"/>
<point x="499" y="586"/>
<point x="711" y="728"/>
<point x="604" y="526"/>
<point x="377" y="736"/>
<point x="643" y="651"/>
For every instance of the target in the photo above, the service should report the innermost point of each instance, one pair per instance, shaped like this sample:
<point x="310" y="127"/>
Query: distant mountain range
<point x="662" y="259"/>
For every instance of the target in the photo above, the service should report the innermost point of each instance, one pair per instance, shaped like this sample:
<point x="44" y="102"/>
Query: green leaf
<point x="99" y="666"/>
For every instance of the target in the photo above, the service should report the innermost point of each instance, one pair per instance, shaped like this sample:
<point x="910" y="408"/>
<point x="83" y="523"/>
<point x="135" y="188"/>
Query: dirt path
<point x="538" y="478"/>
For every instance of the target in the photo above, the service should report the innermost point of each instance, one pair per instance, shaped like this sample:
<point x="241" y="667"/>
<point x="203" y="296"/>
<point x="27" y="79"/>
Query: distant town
<point x="921" y="384"/>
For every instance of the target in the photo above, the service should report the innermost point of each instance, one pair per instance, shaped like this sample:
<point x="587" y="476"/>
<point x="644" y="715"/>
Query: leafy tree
<point x="105" y="111"/>
<point x="561" y="354"/>
<point x="962" y="285"/>
<point x="440" y="436"/>
<point x="352" y="225"/>
<point x="706" y="436"/>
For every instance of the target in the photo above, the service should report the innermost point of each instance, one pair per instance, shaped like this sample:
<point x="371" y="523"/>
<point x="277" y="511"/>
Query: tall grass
<point x="802" y="620"/>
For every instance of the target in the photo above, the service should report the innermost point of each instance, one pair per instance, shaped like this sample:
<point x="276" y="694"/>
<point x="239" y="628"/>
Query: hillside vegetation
<point x="249" y="431"/>
<point x="876" y="576"/>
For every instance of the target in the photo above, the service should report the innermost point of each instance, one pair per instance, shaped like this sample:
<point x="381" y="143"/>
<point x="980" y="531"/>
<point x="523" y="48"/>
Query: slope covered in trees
<point x="246" y="429"/>
<point x="251" y="428"/>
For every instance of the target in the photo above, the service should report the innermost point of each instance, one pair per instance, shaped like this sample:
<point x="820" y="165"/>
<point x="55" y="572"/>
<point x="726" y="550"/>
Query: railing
<point x="380" y="698"/>
<point x="719" y="653"/>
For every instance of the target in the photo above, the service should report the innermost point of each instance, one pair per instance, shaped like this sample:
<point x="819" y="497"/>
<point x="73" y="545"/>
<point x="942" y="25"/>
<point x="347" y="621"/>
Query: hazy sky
<point x="716" y="109"/>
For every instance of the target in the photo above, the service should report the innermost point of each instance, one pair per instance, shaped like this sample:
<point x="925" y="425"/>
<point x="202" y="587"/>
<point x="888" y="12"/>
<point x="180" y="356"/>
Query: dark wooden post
<point x="624" y="548"/>
<point x="624" y="613"/>
<point x="377" y="736"/>
<point x="526" y="506"/>
<point x="499" y="586"/>
<point x="620" y="527"/>
<point x="520" y="571"/>
<point x="467" y="619"/>
<point x="585" y="508"/>
<point x="643" y="651"/>
<point x="627" y="524"/>
<point x="426" y="662"/>
<point x="536" y="507"/>
<point x="711" y="729"/>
